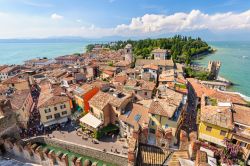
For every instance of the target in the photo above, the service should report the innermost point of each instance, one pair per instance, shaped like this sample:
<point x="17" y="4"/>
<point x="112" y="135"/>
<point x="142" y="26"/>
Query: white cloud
<point x="55" y="16"/>
<point x="182" y="22"/>
<point x="147" y="25"/>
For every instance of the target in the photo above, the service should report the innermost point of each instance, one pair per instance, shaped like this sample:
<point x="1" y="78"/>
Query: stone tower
<point x="214" y="69"/>
<point x="128" y="53"/>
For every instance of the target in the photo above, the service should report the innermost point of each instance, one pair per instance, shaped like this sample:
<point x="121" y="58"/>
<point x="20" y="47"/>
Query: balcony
<point x="211" y="139"/>
<point x="242" y="131"/>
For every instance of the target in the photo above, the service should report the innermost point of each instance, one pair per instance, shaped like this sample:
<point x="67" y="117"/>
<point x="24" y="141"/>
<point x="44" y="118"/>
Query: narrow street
<point x="33" y="126"/>
<point x="189" y="123"/>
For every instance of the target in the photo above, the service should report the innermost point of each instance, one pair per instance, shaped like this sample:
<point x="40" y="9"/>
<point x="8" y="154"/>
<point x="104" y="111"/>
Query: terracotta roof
<point x="122" y="64"/>
<point x="167" y="104"/>
<point x="163" y="108"/>
<point x="100" y="100"/>
<point x="241" y="114"/>
<point x="222" y="96"/>
<point x="14" y="80"/>
<point x="3" y="88"/>
<point x="51" y="96"/>
<point x="8" y="69"/>
<point x="229" y="97"/>
<point x="158" y="50"/>
<point x="18" y="98"/>
<point x="120" y="78"/>
<point x="110" y="73"/>
<point x="69" y="78"/>
<point x="108" y="68"/>
<point x="3" y="67"/>
<point x="67" y="57"/>
<point x="199" y="88"/>
<point x="147" y="85"/>
<point x="100" y="84"/>
<point x="141" y="62"/>
<point x="136" y="115"/>
<point x="163" y="77"/>
<point x="131" y="82"/>
<point x="84" y="89"/>
<point x="217" y="115"/>
<point x="150" y="66"/>
<point x="133" y="70"/>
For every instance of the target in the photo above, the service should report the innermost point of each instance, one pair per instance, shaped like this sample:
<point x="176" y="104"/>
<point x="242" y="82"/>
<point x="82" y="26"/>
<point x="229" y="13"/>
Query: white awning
<point x="91" y="120"/>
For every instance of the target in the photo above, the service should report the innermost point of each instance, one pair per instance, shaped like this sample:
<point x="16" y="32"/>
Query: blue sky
<point x="100" y="18"/>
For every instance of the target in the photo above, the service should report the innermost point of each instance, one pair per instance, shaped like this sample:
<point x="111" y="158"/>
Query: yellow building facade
<point x="213" y="133"/>
<point x="162" y="121"/>
<point x="56" y="113"/>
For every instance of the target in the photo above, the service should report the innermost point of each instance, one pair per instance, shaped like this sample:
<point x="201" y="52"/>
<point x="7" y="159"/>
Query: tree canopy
<point x="182" y="47"/>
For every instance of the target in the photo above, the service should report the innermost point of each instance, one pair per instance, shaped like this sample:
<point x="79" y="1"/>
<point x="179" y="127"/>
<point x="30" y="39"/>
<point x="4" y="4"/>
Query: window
<point x="91" y="110"/>
<point x="57" y="115"/>
<point x="64" y="112"/>
<point x="49" y="117"/>
<point x="166" y="126"/>
<point x="209" y="128"/>
<point x="47" y="110"/>
<point x="145" y="93"/>
<point x="63" y="106"/>
<point x="55" y="108"/>
<point x="135" y="91"/>
<point x="222" y="132"/>
<point x="243" y="144"/>
<point x="152" y="131"/>
<point x="152" y="123"/>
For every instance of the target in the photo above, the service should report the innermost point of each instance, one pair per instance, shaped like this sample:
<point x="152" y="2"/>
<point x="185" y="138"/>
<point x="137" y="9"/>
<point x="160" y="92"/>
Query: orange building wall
<point x="71" y="104"/>
<point x="87" y="96"/>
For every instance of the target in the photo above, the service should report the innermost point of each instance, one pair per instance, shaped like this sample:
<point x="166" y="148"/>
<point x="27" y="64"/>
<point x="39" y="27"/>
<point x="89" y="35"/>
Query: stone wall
<point x="8" y="126"/>
<point x="83" y="150"/>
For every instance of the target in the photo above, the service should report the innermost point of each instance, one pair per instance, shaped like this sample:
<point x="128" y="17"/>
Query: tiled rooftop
<point x="137" y="114"/>
<point x="241" y="114"/>
<point x="216" y="115"/>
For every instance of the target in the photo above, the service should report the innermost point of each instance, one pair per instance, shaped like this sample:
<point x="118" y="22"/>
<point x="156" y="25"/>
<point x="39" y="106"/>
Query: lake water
<point x="235" y="58"/>
<point x="16" y="53"/>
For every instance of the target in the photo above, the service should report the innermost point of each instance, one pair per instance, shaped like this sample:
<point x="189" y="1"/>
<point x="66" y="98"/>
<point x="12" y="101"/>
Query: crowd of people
<point x="34" y="127"/>
<point x="189" y="123"/>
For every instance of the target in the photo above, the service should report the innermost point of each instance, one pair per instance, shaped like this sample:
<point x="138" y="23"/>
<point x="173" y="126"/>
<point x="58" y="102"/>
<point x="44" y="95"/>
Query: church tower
<point x="128" y="53"/>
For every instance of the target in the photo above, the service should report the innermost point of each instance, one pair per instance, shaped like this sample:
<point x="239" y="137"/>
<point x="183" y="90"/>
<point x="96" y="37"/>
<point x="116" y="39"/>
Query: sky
<point x="211" y="19"/>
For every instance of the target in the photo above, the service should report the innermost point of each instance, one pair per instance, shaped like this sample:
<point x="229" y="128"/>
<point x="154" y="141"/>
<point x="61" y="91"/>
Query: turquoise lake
<point x="16" y="53"/>
<point x="235" y="57"/>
